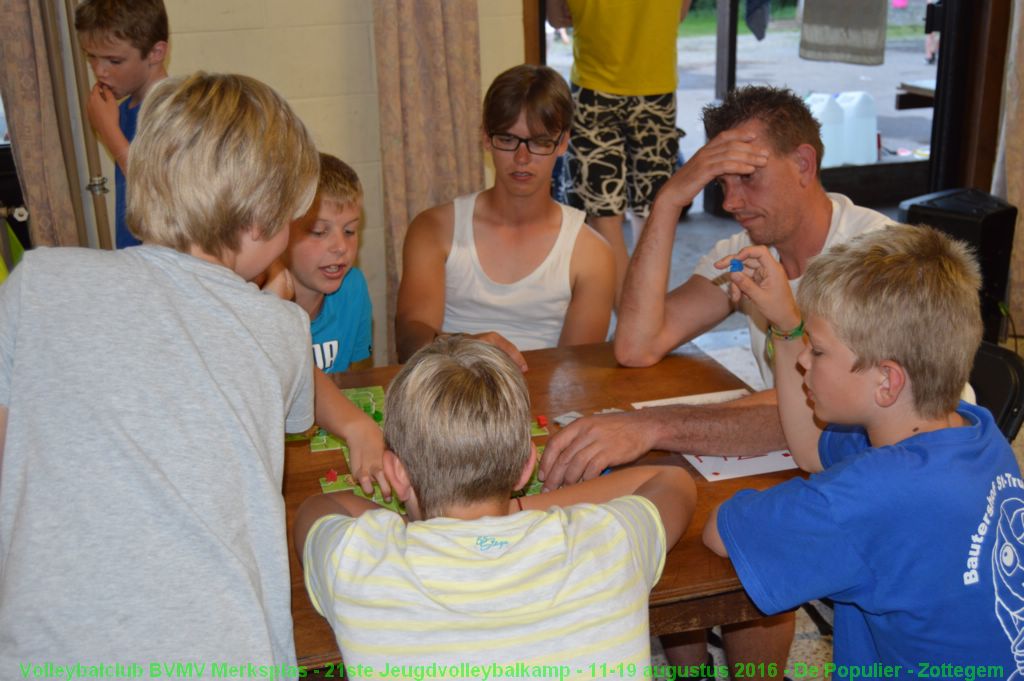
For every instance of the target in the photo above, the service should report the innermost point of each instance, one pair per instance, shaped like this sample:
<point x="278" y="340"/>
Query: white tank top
<point x="529" y="312"/>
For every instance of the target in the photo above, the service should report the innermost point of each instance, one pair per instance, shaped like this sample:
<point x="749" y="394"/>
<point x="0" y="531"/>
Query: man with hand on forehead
<point x="765" y="152"/>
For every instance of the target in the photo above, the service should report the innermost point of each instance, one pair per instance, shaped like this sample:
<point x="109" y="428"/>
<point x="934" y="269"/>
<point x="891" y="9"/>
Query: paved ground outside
<point x="776" y="61"/>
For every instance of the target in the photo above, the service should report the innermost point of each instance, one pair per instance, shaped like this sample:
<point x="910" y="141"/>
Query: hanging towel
<point x="844" y="31"/>
<point x="757" y="16"/>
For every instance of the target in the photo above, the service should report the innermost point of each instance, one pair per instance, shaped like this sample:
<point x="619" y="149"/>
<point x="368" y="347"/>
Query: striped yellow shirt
<point x="538" y="594"/>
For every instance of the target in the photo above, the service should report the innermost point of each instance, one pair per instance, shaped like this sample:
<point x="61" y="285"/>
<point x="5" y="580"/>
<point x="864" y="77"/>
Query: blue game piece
<point x="735" y="265"/>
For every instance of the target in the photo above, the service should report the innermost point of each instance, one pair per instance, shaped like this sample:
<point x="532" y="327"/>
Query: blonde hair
<point x="906" y="294"/>
<point x="458" y="418"/>
<point x="141" y="23"/>
<point x="214" y="155"/>
<point x="339" y="183"/>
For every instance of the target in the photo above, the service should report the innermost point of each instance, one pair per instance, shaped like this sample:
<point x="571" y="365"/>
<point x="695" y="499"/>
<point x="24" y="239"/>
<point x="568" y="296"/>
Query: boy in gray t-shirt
<point x="144" y="398"/>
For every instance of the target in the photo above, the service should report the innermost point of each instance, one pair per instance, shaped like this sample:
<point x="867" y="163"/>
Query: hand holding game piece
<point x="764" y="282"/>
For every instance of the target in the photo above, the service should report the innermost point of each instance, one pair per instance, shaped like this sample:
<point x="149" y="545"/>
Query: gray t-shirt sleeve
<point x="300" y="405"/>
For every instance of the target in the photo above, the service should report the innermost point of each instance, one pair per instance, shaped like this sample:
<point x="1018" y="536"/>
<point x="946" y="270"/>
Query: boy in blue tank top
<point x="125" y="42"/>
<point x="911" y="522"/>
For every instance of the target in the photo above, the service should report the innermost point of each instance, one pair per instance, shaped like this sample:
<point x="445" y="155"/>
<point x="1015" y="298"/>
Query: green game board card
<point x="319" y="441"/>
<point x="322" y="441"/>
<point x="346" y="483"/>
<point x="370" y="399"/>
<point x="536" y="429"/>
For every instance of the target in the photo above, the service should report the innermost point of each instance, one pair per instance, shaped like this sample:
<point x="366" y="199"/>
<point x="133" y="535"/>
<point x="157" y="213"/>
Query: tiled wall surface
<point x="320" y="55"/>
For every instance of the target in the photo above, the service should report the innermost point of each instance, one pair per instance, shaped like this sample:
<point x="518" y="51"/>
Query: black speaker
<point x="986" y="223"/>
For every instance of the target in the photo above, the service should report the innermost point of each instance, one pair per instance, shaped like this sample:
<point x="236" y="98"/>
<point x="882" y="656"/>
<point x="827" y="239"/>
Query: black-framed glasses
<point x="541" y="146"/>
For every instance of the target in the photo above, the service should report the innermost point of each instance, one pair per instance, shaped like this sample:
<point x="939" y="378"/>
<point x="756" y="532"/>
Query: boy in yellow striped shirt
<point x="476" y="584"/>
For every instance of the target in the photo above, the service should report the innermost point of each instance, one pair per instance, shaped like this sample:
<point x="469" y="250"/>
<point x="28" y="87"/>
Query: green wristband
<point x="769" y="344"/>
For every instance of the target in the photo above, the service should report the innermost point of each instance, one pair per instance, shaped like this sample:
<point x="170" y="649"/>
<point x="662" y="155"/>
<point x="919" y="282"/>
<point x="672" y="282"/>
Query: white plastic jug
<point x="860" y="128"/>
<point x="830" y="115"/>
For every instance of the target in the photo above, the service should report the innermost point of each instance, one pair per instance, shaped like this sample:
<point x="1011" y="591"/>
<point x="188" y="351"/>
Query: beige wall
<point x="319" y="55"/>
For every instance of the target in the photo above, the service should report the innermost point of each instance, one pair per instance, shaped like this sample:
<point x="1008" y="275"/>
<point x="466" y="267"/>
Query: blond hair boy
<point x="898" y="524"/>
<point x="474" y="576"/>
<point x="141" y="516"/>
<point x="125" y="42"/>
<point x="318" y="271"/>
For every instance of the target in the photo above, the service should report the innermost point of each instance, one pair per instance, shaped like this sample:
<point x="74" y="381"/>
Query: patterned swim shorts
<point x="622" y="149"/>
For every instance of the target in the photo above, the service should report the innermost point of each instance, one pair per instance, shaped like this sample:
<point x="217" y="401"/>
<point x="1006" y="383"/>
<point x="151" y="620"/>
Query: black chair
<point x="998" y="381"/>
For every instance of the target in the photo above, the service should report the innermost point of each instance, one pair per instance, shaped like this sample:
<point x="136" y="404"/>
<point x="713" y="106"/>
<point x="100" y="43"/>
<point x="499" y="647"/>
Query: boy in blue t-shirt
<point x="913" y="523"/>
<point x="321" y="276"/>
<point x="125" y="42"/>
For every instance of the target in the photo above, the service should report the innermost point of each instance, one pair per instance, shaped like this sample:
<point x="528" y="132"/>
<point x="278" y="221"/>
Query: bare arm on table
<point x="584" y="448"/>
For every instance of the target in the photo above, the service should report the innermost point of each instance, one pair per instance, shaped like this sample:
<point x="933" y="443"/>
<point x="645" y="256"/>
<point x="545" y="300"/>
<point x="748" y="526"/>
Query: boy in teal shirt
<point x="318" y="272"/>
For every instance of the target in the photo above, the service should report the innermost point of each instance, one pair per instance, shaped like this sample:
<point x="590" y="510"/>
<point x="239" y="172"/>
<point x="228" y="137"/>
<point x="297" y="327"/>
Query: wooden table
<point x="697" y="588"/>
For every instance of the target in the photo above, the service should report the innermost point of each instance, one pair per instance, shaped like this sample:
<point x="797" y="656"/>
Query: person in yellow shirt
<point x="624" y="141"/>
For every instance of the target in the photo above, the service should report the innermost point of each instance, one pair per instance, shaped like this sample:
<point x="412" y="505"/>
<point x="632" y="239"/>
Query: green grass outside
<point x="703" y="23"/>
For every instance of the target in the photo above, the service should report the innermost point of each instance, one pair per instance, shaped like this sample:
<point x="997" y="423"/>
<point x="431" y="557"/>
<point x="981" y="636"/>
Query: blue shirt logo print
<point x="487" y="543"/>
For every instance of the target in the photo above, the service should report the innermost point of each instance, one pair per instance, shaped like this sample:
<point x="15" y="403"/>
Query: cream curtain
<point x="1008" y="178"/>
<point x="28" y="94"/>
<point x="428" y="77"/>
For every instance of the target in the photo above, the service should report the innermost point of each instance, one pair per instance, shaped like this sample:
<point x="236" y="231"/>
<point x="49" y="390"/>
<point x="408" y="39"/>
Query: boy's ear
<point x="893" y="382"/>
<point x="395" y="471"/>
<point x="531" y="463"/>
<point x="157" y="53"/>
<point x="252" y="232"/>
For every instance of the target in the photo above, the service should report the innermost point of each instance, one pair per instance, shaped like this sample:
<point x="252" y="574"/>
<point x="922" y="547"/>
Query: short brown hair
<point x="216" y="154"/>
<point x="905" y="294"/>
<point x="538" y="90"/>
<point x="458" y="418"/>
<point x="141" y="23"/>
<point x="786" y="118"/>
<point x="338" y="181"/>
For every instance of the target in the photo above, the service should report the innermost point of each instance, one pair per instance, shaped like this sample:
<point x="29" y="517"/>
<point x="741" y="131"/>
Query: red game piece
<point x="542" y="420"/>
<point x="332" y="475"/>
